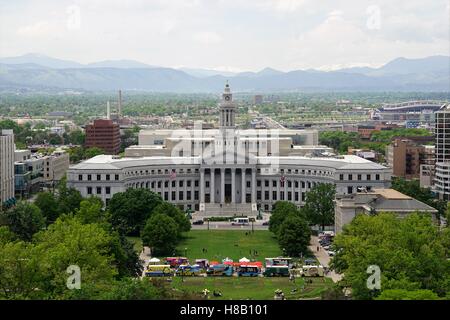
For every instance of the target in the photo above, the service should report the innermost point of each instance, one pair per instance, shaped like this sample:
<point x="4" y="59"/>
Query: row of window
<point x="98" y="177"/>
<point x="359" y="177"/>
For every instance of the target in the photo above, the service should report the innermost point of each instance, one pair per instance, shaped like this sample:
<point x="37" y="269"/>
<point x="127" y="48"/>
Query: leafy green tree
<point x="92" y="152"/>
<point x="400" y="294"/>
<point x="175" y="213"/>
<point x="69" y="242"/>
<point x="411" y="253"/>
<point x="130" y="209"/>
<point x="319" y="206"/>
<point x="294" y="235"/>
<point x="48" y="204"/>
<point x="6" y="235"/>
<point x="91" y="211"/>
<point x="282" y="210"/>
<point x="161" y="234"/>
<point x="19" y="271"/>
<point x="25" y="220"/>
<point x="69" y="199"/>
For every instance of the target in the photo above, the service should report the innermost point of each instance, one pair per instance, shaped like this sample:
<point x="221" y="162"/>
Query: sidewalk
<point x="323" y="258"/>
<point x="145" y="257"/>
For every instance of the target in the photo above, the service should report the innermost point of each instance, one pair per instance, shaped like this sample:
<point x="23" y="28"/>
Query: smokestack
<point x="119" y="111"/>
<point x="108" y="111"/>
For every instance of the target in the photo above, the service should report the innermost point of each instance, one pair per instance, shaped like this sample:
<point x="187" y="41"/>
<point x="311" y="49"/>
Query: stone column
<point x="278" y="189"/>
<point x="202" y="185"/>
<point x="285" y="189"/>
<point x="233" y="185"/>
<point x="254" y="185"/>
<point x="222" y="185"/>
<point x="212" y="188"/>
<point x="243" y="186"/>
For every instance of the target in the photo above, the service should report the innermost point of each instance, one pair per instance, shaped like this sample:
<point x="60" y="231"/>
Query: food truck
<point x="248" y="270"/>
<point x="276" y="271"/>
<point x="313" y="271"/>
<point x="187" y="270"/>
<point x="219" y="270"/>
<point x="203" y="263"/>
<point x="162" y="270"/>
<point x="279" y="261"/>
<point x="175" y="262"/>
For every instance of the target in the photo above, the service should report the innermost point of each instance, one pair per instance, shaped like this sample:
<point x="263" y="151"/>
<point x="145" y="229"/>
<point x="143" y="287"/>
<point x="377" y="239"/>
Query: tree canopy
<point x="319" y="205"/>
<point x="412" y="254"/>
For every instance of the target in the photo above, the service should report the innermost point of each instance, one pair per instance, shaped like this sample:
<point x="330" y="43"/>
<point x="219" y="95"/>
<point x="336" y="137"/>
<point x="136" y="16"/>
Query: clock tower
<point x="227" y="110"/>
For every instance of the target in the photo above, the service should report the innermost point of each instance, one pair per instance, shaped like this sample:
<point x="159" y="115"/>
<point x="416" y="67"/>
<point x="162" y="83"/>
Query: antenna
<point x="108" y="111"/>
<point x="119" y="111"/>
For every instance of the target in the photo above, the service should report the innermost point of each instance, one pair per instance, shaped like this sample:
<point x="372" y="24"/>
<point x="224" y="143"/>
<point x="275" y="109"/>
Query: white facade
<point x="442" y="152"/>
<point x="6" y="167"/>
<point x="225" y="171"/>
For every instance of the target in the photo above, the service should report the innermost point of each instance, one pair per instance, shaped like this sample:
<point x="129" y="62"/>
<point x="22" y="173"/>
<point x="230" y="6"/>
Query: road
<point x="323" y="258"/>
<point x="225" y="225"/>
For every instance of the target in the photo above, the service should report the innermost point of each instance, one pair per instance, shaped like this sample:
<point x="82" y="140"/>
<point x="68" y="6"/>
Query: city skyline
<point x="228" y="35"/>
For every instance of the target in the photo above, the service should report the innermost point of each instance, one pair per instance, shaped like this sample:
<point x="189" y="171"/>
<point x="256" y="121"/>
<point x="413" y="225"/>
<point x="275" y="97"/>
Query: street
<point x="323" y="258"/>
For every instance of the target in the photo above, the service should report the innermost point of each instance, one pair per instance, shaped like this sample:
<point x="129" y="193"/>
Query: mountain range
<point x="40" y="71"/>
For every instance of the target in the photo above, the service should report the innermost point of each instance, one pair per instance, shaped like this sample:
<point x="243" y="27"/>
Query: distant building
<point x="28" y="169"/>
<point x="427" y="175"/>
<point x="365" y="131"/>
<point x="6" y="168"/>
<point x="405" y="158"/>
<point x="347" y="207"/>
<point x="420" y="111"/>
<point x="442" y="135"/>
<point x="55" y="166"/>
<point x="258" y="99"/>
<point x="103" y="134"/>
<point x="367" y="154"/>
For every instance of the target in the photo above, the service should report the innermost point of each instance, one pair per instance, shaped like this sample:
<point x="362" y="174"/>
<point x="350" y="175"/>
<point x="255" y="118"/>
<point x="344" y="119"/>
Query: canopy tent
<point x="227" y="260"/>
<point x="244" y="259"/>
<point x="154" y="260"/>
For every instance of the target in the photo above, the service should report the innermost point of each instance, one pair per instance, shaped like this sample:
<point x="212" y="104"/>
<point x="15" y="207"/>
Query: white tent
<point x="244" y="259"/>
<point x="154" y="260"/>
<point x="227" y="260"/>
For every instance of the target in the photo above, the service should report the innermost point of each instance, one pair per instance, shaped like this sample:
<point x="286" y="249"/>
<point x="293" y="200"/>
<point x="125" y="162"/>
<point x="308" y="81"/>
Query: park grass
<point x="234" y="244"/>
<point x="254" y="288"/>
<point x="137" y="243"/>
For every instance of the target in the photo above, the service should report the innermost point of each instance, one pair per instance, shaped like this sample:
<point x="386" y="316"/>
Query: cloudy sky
<point x="233" y="35"/>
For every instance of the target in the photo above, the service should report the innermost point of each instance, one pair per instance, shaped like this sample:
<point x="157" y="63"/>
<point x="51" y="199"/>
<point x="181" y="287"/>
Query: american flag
<point x="173" y="174"/>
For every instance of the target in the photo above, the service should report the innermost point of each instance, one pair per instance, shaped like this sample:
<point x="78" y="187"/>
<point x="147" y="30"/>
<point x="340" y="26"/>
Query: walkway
<point x="323" y="258"/>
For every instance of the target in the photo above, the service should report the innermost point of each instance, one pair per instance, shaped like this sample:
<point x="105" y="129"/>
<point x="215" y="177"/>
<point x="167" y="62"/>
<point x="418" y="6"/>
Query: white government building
<point x="226" y="171"/>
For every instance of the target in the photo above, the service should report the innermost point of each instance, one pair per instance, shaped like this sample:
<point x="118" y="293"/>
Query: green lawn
<point x="254" y="287"/>
<point x="234" y="244"/>
<point x="137" y="243"/>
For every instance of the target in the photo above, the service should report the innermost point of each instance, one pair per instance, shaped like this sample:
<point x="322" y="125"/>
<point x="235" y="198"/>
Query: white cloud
<point x="208" y="37"/>
<point x="38" y="29"/>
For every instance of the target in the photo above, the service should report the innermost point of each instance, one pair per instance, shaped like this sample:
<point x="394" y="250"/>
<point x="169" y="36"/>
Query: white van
<point x="240" y="222"/>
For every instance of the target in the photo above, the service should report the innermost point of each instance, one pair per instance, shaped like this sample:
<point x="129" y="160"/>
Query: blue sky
<point x="234" y="35"/>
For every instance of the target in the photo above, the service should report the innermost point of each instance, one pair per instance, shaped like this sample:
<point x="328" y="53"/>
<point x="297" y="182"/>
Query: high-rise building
<point x="6" y="168"/>
<point x="442" y="152"/>
<point x="103" y="134"/>
<point x="405" y="157"/>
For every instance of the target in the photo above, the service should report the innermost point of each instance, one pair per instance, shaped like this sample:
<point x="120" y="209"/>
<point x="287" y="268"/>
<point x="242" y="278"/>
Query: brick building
<point x="103" y="134"/>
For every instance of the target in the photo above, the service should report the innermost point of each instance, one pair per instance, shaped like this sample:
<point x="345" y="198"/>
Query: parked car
<point x="265" y="223"/>
<point x="198" y="222"/>
<point x="331" y="253"/>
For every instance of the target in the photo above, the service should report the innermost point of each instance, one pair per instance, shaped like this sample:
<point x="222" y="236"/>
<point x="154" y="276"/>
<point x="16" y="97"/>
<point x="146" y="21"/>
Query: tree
<point x="294" y="235"/>
<point x="400" y="294"/>
<point x="161" y="234"/>
<point x="175" y="213"/>
<point x="319" y="206"/>
<point x="281" y="210"/>
<point x="69" y="199"/>
<point x="25" y="220"/>
<point x="91" y="211"/>
<point x="68" y="242"/>
<point x="131" y="209"/>
<point x="410" y="252"/>
<point x="92" y="152"/>
<point x="46" y="201"/>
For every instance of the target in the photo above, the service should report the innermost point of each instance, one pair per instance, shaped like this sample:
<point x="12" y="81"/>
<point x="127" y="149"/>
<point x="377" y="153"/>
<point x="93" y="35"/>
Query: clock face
<point x="227" y="98"/>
